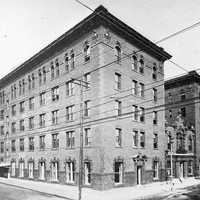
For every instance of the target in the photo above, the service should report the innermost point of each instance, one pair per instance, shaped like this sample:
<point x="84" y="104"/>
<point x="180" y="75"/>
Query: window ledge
<point x="70" y="148"/>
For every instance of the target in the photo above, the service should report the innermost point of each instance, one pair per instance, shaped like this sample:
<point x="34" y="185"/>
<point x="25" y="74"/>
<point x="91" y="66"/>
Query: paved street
<point x="13" y="193"/>
<point x="189" y="193"/>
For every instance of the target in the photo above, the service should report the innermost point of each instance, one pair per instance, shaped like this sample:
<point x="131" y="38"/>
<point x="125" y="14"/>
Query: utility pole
<point x="81" y="85"/>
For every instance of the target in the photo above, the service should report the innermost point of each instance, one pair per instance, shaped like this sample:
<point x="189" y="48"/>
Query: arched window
<point x="20" y="88"/>
<point x="118" y="52"/>
<point x="154" y="71"/>
<point x="86" y="51"/>
<point x="66" y="62"/>
<point x="72" y="59"/>
<point x="52" y="70"/>
<point x="44" y="74"/>
<point x="190" y="143"/>
<point x="33" y="81"/>
<point x="134" y="63"/>
<point x="141" y="65"/>
<point x="57" y="68"/>
<point x="40" y="76"/>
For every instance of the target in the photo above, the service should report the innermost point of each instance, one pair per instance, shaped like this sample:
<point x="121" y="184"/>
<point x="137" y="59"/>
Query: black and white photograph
<point x="100" y="100"/>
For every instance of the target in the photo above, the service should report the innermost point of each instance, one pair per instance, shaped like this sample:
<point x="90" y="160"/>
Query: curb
<point x="21" y="187"/>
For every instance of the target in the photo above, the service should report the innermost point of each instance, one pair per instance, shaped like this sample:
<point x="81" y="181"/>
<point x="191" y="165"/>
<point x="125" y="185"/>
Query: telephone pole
<point x="81" y="85"/>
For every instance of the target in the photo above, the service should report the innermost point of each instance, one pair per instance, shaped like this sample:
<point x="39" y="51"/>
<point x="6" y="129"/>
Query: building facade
<point x="182" y="101"/>
<point x="123" y="88"/>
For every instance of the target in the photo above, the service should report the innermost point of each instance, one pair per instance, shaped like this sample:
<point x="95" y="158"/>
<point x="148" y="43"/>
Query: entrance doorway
<point x="181" y="170"/>
<point x="139" y="175"/>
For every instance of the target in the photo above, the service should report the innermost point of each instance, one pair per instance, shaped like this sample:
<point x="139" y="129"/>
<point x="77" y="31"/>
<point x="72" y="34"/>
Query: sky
<point x="27" y="26"/>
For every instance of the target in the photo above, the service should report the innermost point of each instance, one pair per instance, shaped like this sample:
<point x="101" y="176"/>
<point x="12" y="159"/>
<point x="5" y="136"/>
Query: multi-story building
<point x="123" y="87"/>
<point x="182" y="101"/>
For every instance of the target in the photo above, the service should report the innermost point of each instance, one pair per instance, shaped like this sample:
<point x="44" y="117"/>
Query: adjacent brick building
<point x="182" y="101"/>
<point x="123" y="126"/>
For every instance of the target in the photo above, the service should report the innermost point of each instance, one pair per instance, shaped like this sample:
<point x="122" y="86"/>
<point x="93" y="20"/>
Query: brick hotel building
<point x="124" y="129"/>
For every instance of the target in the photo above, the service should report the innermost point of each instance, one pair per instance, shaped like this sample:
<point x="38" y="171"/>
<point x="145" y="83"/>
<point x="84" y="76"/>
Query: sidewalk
<point x="125" y="193"/>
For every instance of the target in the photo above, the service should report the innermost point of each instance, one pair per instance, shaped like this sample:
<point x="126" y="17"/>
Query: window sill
<point x="118" y="147"/>
<point x="55" y="149"/>
<point x="118" y="184"/>
<point x="87" y="147"/>
<point x="156" y="179"/>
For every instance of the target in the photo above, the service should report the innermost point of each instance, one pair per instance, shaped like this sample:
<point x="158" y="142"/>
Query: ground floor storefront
<point x="183" y="166"/>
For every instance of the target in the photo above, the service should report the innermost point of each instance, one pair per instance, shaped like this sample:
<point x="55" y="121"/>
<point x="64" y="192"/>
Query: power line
<point x="86" y="6"/>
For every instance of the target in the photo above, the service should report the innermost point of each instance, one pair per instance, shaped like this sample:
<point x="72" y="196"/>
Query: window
<point x="70" y="172"/>
<point x="155" y="117"/>
<point x="44" y="74"/>
<point x="190" y="143"/>
<point x="135" y="138"/>
<point x="21" y="169"/>
<point x="55" y="141"/>
<point x="29" y="82"/>
<point x="21" y="125"/>
<point x="20" y="88"/>
<point x="13" y="168"/>
<point x="155" y="141"/>
<point x="42" y="170"/>
<point x="141" y="114"/>
<point x="21" y="144"/>
<point x="180" y="140"/>
<point x="23" y="86"/>
<point x="70" y="113"/>
<point x="2" y="147"/>
<point x="22" y="106"/>
<point x="30" y="169"/>
<point x="134" y="63"/>
<point x="55" y="117"/>
<point x="72" y="61"/>
<point x="13" y="127"/>
<point x="40" y="77"/>
<point x="118" y="107"/>
<point x="13" y="147"/>
<point x="183" y="97"/>
<point x="55" y="93"/>
<point x="190" y="167"/>
<point x="155" y="95"/>
<point x="33" y="81"/>
<point x="155" y="170"/>
<point x="118" y="52"/>
<point x="2" y="130"/>
<point x="31" y="103"/>
<point x="66" y="63"/>
<point x="86" y="52"/>
<point x="70" y="139"/>
<point x="42" y="142"/>
<point x="13" y="110"/>
<point x="154" y="71"/>
<point x="42" y="120"/>
<point x="170" y="97"/>
<point x="15" y="91"/>
<point x="118" y="173"/>
<point x="183" y="112"/>
<point x="141" y="89"/>
<point x="88" y="137"/>
<point x="31" y="122"/>
<point x="57" y="68"/>
<point x="87" y="173"/>
<point x="2" y="115"/>
<point x="54" y="171"/>
<point x="170" y="113"/>
<point x="141" y="65"/>
<point x="42" y="98"/>
<point x="135" y="112"/>
<point x="134" y="87"/>
<point x="86" y="108"/>
<point x="70" y="88"/>
<point x="118" y="137"/>
<point x="52" y="71"/>
<point x="31" y="144"/>
<point x="117" y="81"/>
<point x="87" y="80"/>
<point x="142" y="139"/>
